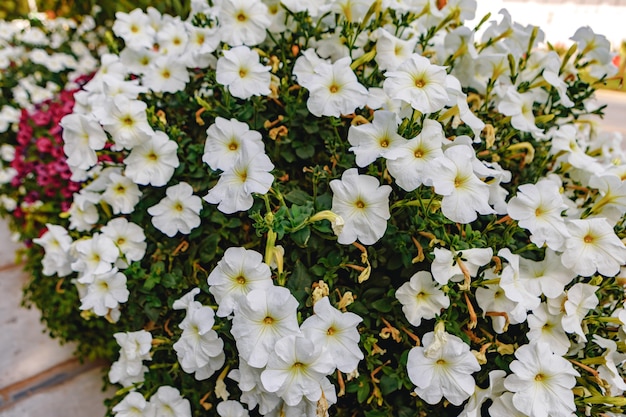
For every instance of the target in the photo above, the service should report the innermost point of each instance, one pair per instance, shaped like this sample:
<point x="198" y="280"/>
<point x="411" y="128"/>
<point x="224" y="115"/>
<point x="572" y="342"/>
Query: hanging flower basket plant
<point x="349" y="209"/>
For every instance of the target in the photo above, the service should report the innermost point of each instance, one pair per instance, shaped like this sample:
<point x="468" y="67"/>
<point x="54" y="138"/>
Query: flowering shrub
<point x="348" y="209"/>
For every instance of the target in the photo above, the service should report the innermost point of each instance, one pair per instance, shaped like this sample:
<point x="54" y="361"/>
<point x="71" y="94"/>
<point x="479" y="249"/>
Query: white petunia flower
<point x="410" y="163"/>
<point x="167" y="401"/>
<point x="419" y="83"/>
<point x="372" y="140"/>
<point x="335" y="90"/>
<point x="519" y="106"/>
<point x="166" y="74"/>
<point x="178" y="211"/>
<point x="122" y="194"/>
<point x="231" y="408"/>
<point x="593" y="247"/>
<point x="236" y="274"/>
<point x="542" y="382"/>
<point x="126" y="121"/>
<point x="105" y="292"/>
<point x="611" y="202"/>
<point x="364" y="206"/>
<point x="241" y="72"/>
<point x="464" y="194"/>
<point x="295" y="369"/>
<point x="129" y="238"/>
<point x="225" y="142"/>
<point x="83" y="213"/>
<point x="442" y="367"/>
<point x="480" y="395"/>
<point x="446" y="266"/>
<point x="243" y="22"/>
<point x="263" y="317"/>
<point x="56" y="243"/>
<point x="579" y="300"/>
<point x="82" y="137"/>
<point x="133" y="405"/>
<point x="95" y="256"/>
<point x="421" y="298"/>
<point x="251" y="173"/>
<point x="548" y="277"/>
<point x="391" y="51"/>
<point x="538" y="207"/>
<point x="153" y="161"/>
<point x="608" y="371"/>
<point x="199" y="349"/>
<point x="517" y="287"/>
<point x="336" y="332"/>
<point x="503" y="407"/>
<point x="546" y="327"/>
<point x="135" y="29"/>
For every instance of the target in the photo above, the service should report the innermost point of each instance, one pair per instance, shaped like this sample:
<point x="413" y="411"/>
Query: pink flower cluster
<point x="39" y="157"/>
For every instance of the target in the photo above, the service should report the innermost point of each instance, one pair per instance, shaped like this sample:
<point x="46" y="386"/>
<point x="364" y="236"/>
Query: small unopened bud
<point x="320" y="290"/>
<point x="336" y="221"/>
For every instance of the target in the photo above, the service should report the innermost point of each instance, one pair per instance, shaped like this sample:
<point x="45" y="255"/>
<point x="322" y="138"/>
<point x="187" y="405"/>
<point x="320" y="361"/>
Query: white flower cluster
<point x="98" y="260"/>
<point x="129" y="369"/>
<point x="283" y="365"/>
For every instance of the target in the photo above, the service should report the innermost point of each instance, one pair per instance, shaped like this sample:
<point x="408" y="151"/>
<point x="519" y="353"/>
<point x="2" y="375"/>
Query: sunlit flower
<point x="178" y="211"/>
<point x="126" y="121"/>
<point x="421" y="298"/>
<point x="334" y="90"/>
<point x="129" y="238"/>
<point x="263" y="317"/>
<point x="56" y="243"/>
<point x="105" y="292"/>
<point x="239" y="69"/>
<point x="295" y="369"/>
<point x="82" y="137"/>
<point x="372" y="140"/>
<point x="153" y="161"/>
<point x="542" y="382"/>
<point x="579" y="300"/>
<point x="95" y="255"/>
<point x="364" y="206"/>
<point x="225" y="142"/>
<point x="231" y="408"/>
<point x="135" y="29"/>
<point x="442" y="367"/>
<point x="122" y="194"/>
<point x="336" y="332"/>
<point x="593" y="247"/>
<point x="419" y="83"/>
<point x="392" y="51"/>
<point x="243" y="22"/>
<point x="166" y="74"/>
<point x="236" y="274"/>
<point x="446" y="266"/>
<point x="546" y="327"/>
<point x="167" y="401"/>
<point x="133" y="405"/>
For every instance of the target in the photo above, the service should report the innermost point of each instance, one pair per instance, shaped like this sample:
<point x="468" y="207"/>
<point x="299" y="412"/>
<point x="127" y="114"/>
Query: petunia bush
<point x="347" y="208"/>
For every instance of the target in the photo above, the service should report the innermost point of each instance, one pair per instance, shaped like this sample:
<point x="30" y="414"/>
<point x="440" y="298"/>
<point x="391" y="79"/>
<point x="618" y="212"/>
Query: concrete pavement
<point x="38" y="377"/>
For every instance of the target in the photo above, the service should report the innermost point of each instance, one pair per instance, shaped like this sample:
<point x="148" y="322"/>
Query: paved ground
<point x="37" y="376"/>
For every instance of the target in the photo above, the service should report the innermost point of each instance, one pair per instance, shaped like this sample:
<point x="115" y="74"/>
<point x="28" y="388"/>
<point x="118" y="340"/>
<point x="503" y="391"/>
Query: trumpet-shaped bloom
<point x="334" y="90"/>
<point x="542" y="382"/>
<point x="231" y="408"/>
<point x="236" y="274"/>
<point x="419" y="83"/>
<point x="593" y="247"/>
<point x="122" y="194"/>
<point x="262" y="318"/>
<point x="296" y="368"/>
<point x="538" y="207"/>
<point x="336" y="332"/>
<point x="548" y="277"/>
<point x="243" y="22"/>
<point x="391" y="51"/>
<point x="364" y="206"/>
<point x="546" y="327"/>
<point x="442" y="367"/>
<point x="410" y="162"/>
<point x="240" y="70"/>
<point x="153" y="161"/>
<point x="105" y="293"/>
<point x="166" y="74"/>
<point x="82" y="137"/>
<point x="178" y="211"/>
<point x="56" y="243"/>
<point x="133" y="405"/>
<point x="580" y="299"/>
<point x="167" y="401"/>
<point x="464" y="194"/>
<point x="135" y="29"/>
<point x="126" y="121"/>
<point x="250" y="174"/>
<point x="446" y="266"/>
<point x="225" y="142"/>
<point x="421" y="298"/>
<point x="129" y="238"/>
<point x="95" y="256"/>
<point x="199" y="349"/>
<point x="372" y="140"/>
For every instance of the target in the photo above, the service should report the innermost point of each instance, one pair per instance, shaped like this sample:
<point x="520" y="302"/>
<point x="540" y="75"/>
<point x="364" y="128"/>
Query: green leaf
<point x="389" y="384"/>
<point x="305" y="152"/>
<point x="298" y="196"/>
<point x="299" y="281"/>
<point x="363" y="392"/>
<point x="383" y="305"/>
<point x="301" y="237"/>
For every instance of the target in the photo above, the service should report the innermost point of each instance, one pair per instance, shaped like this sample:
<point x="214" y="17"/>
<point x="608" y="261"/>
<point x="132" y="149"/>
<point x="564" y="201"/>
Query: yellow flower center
<point x="268" y="320"/>
<point x="240" y="280"/>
